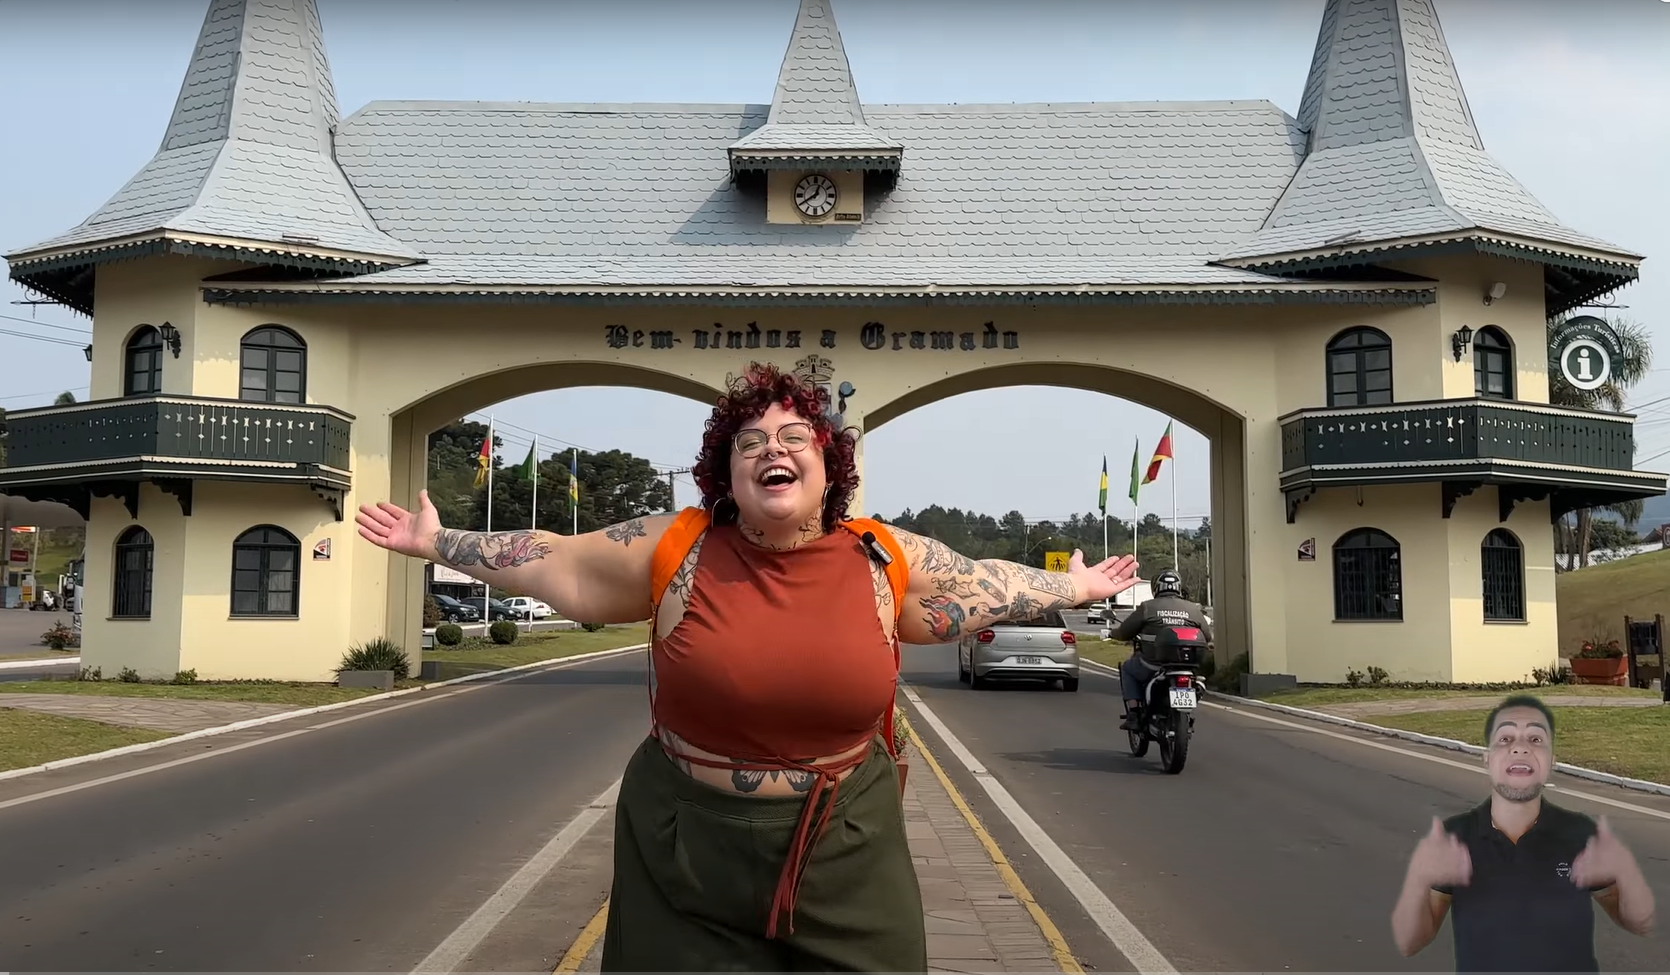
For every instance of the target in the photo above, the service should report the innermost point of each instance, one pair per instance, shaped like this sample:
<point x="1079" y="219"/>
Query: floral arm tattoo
<point x="954" y="593"/>
<point x="496" y="550"/>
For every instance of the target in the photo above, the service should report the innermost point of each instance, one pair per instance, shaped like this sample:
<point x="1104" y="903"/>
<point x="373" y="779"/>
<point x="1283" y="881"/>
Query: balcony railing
<point x="180" y="431"/>
<point x="1442" y="433"/>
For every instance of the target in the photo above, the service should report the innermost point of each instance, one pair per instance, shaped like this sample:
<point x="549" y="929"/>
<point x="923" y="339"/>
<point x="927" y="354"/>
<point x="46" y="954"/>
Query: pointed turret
<point x="245" y="169"/>
<point x="1393" y="160"/>
<point x="816" y="116"/>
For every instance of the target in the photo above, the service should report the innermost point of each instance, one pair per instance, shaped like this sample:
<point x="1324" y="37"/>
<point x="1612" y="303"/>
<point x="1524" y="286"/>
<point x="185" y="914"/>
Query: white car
<point x="529" y="607"/>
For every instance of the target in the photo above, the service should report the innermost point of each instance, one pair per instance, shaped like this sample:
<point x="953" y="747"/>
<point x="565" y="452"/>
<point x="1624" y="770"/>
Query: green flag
<point x="1102" y="498"/>
<point x="526" y="469"/>
<point x="1136" y="472"/>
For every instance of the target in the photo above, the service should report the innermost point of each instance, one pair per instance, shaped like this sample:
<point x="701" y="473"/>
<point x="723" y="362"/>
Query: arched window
<point x="142" y="363"/>
<point x="134" y="562"/>
<point x="1360" y="368"/>
<point x="1368" y="576"/>
<point x="1492" y="364"/>
<point x="1502" y="560"/>
<point x="266" y="576"/>
<point x="273" y="366"/>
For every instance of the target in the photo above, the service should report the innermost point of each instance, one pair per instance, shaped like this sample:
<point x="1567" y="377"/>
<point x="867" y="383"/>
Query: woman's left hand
<point x="1107" y="578"/>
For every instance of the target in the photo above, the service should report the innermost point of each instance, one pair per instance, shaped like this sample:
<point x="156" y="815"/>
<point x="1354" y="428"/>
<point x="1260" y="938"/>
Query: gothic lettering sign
<point x="873" y="336"/>
<point x="1585" y="347"/>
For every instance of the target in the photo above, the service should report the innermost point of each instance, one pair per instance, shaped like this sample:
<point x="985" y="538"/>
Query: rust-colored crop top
<point x="780" y="658"/>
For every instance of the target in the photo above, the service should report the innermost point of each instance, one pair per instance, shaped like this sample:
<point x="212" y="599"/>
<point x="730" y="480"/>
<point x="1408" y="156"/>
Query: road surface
<point x="1277" y="848"/>
<point x="363" y="844"/>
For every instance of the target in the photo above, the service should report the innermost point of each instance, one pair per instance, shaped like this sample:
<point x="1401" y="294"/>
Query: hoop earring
<point x="720" y="515"/>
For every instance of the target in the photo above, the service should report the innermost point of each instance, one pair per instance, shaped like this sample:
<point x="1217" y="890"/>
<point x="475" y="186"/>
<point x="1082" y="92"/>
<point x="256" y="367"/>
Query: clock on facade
<point x="815" y="195"/>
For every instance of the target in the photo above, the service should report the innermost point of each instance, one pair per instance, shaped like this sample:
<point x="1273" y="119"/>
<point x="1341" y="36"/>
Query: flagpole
<point x="487" y="588"/>
<point x="533" y="514"/>
<point x="1176" y="566"/>
<point x="574" y="491"/>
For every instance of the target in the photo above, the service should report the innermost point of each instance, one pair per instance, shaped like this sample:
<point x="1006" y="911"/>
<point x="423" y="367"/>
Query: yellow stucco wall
<point x="1230" y="372"/>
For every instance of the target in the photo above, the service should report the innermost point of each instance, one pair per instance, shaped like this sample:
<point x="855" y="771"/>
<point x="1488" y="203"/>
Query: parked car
<point x="529" y="607"/>
<point x="1041" y="649"/>
<point x="453" y="611"/>
<point x="494" y="609"/>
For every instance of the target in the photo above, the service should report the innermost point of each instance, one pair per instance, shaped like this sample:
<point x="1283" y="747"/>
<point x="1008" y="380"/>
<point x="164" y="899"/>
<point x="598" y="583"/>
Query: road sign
<point x="1056" y="561"/>
<point x="1586" y="349"/>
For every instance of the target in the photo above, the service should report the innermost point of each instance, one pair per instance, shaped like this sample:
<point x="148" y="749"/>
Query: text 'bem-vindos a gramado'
<point x="873" y="336"/>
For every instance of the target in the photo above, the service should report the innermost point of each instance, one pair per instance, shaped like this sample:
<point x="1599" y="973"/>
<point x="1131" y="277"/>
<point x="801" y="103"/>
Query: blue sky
<point x="1573" y="98"/>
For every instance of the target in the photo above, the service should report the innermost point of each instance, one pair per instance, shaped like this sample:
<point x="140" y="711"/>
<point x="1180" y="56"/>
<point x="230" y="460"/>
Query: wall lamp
<point x="845" y="390"/>
<point x="1459" y="342"/>
<point x="1495" y="293"/>
<point x="170" y="337"/>
<point x="88" y="352"/>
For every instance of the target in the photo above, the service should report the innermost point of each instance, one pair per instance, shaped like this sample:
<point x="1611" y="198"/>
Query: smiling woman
<point x="771" y="764"/>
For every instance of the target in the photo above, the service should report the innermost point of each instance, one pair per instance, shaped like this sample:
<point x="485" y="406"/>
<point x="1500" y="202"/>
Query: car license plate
<point x="1033" y="661"/>
<point x="1183" y="698"/>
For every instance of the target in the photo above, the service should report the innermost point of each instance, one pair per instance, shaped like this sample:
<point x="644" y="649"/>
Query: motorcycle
<point x="1171" y="695"/>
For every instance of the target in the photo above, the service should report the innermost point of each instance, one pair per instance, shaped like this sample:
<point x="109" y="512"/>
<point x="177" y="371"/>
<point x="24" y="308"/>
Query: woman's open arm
<point x="599" y="577"/>
<point x="951" y="594"/>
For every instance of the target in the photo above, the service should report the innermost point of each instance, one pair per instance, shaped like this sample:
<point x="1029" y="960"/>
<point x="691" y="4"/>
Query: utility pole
<point x="672" y="501"/>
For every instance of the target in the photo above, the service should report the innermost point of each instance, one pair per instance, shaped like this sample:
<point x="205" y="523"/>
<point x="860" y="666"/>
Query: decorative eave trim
<point x="1256" y="294"/>
<point x="293" y="254"/>
<point x="1487" y="469"/>
<point x="183" y="402"/>
<point x="872" y="160"/>
<point x="143" y="466"/>
<point x="1310" y="413"/>
<point x="1618" y="265"/>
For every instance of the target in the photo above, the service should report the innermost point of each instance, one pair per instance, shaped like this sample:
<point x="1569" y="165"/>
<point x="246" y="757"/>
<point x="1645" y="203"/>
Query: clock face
<point x="815" y="195"/>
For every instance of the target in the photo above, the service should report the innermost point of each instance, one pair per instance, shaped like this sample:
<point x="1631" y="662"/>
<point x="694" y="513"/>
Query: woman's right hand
<point x="398" y="530"/>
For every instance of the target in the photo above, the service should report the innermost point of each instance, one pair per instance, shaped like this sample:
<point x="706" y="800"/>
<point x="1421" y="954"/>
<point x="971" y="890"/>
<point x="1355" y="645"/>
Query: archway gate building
<point x="1351" y="304"/>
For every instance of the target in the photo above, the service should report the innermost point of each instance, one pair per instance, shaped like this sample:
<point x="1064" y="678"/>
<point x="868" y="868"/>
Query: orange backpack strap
<point x="675" y="544"/>
<point x="898" y="570"/>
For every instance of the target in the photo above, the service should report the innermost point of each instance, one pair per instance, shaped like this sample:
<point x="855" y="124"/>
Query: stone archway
<point x="1223" y="427"/>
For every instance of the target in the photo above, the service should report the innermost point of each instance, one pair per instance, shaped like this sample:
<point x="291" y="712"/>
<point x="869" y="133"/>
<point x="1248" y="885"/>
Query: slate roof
<point x="1392" y="151"/>
<point x="815" y="110"/>
<point x="247" y="153"/>
<point x="469" y="197"/>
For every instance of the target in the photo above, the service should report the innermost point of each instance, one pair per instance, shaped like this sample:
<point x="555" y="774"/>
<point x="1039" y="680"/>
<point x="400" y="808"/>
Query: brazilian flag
<point x="1102" y="498"/>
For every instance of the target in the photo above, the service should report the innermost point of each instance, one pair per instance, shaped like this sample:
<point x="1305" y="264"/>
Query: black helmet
<point x="1168" y="583"/>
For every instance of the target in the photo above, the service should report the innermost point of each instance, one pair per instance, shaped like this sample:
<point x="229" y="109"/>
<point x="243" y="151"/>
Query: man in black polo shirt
<point x="1519" y="870"/>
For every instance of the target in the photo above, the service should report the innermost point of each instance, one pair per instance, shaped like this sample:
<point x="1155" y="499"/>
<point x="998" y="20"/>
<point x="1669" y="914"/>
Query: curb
<point x="21" y="664"/>
<point x="1575" y="771"/>
<point x="303" y="712"/>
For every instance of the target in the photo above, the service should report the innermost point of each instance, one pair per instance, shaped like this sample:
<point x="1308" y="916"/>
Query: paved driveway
<point x="21" y="629"/>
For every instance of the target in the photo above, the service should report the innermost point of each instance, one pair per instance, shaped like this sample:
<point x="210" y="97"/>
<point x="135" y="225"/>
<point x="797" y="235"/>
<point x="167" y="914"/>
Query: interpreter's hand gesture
<point x="1441" y="860"/>
<point x="398" y="530"/>
<point x="1109" y="577"/>
<point x="1604" y="859"/>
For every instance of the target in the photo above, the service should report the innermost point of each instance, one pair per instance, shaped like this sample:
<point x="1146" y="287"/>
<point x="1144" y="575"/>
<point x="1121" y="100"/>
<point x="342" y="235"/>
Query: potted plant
<point x="1597" y="663"/>
<point x="901" y="738"/>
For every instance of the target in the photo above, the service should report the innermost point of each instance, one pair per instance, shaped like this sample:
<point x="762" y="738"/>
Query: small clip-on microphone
<point x="879" y="553"/>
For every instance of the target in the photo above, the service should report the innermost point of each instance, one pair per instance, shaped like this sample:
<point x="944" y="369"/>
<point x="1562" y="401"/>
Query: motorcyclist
<point x="1167" y="608"/>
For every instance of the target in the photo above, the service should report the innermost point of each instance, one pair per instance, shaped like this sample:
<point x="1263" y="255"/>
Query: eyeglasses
<point x="792" y="437"/>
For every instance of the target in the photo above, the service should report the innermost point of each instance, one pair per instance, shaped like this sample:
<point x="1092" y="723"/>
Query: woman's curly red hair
<point x="749" y="396"/>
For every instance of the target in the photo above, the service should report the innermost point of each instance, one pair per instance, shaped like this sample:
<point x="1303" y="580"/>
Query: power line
<point x="50" y="339"/>
<point x="44" y="392"/>
<point x="61" y="328"/>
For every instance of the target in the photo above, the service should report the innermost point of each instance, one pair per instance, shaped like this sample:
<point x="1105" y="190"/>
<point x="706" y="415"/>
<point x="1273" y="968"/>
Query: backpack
<point x="682" y="534"/>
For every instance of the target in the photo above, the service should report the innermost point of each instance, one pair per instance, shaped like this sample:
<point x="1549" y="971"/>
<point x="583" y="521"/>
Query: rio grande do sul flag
<point x="1162" y="453"/>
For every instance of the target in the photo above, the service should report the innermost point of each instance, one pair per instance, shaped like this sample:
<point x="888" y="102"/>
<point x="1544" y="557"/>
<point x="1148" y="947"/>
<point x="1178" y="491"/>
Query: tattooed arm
<point x="598" y="577"/>
<point x="951" y="594"/>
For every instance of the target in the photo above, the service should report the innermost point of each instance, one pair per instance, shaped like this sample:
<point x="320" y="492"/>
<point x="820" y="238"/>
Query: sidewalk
<point x="975" y="922"/>
<point x="171" y="714"/>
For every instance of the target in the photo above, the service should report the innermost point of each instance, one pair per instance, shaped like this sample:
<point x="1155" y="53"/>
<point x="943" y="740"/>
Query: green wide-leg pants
<point x="696" y="869"/>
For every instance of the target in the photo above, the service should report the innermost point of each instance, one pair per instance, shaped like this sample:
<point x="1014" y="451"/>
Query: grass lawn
<point x="42" y="654"/>
<point x="27" y="738"/>
<point x="1104" y="652"/>
<point x="538" y="645"/>
<point x="1592" y="603"/>
<point x="1623" y="741"/>
<point x="1305" y="697"/>
<point x="529" y="648"/>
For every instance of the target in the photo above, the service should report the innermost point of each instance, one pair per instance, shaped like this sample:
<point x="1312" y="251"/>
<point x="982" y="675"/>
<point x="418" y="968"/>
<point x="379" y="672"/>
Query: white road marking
<point x="39" y="662"/>
<point x="1138" y="950"/>
<point x="201" y="756"/>
<point x="1476" y="767"/>
<point x="452" y="952"/>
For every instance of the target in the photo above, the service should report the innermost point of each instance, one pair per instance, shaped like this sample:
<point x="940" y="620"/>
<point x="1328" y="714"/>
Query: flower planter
<point x="1599" y="670"/>
<point x="382" y="680"/>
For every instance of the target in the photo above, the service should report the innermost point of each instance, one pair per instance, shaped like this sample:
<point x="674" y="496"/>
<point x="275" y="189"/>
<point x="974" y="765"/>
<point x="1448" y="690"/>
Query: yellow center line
<point x="584" y="941"/>
<point x="1064" y="959"/>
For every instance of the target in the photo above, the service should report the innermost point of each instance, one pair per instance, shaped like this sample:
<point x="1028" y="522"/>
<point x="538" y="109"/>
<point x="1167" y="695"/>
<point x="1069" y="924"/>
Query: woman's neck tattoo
<point x="809" y="531"/>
